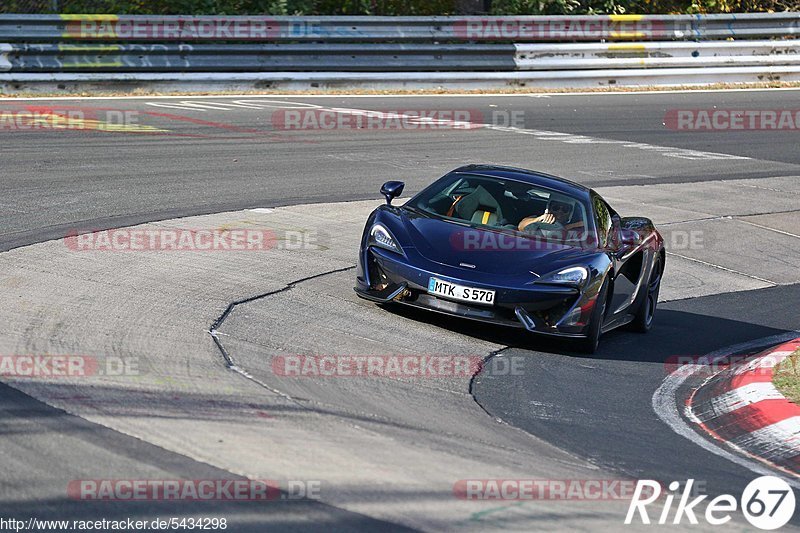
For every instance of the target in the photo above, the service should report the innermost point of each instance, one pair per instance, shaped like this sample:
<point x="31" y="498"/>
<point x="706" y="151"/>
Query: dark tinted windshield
<point x="481" y="201"/>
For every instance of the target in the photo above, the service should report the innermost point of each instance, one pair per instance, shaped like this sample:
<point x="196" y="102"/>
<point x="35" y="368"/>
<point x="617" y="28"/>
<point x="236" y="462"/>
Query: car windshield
<point x="505" y="205"/>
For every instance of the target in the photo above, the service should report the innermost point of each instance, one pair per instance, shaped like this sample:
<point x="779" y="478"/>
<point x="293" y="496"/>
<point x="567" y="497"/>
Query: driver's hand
<point x="547" y="218"/>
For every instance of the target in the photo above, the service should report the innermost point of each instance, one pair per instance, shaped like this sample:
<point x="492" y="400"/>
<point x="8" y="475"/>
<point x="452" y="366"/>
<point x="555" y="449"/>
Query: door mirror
<point x="391" y="190"/>
<point x="629" y="238"/>
<point x="615" y="233"/>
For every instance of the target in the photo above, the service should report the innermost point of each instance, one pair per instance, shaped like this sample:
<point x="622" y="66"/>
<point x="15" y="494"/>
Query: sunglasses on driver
<point x="559" y="207"/>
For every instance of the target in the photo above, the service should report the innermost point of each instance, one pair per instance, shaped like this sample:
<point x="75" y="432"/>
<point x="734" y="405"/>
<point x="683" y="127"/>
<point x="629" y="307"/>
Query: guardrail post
<point x="5" y="65"/>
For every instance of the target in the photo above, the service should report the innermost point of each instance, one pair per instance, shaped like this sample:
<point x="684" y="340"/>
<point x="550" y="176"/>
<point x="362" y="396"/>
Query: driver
<point x="557" y="211"/>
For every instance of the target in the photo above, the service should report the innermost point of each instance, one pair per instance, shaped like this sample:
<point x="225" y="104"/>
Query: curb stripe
<point x="749" y="378"/>
<point x="738" y="398"/>
<point x="777" y="441"/>
<point x="752" y="418"/>
<point x="769" y="360"/>
<point x="742" y="407"/>
<point x="666" y="404"/>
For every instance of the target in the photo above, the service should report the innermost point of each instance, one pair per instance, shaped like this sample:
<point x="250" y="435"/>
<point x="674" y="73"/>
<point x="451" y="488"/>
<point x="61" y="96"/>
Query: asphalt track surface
<point x="233" y="159"/>
<point x="214" y="160"/>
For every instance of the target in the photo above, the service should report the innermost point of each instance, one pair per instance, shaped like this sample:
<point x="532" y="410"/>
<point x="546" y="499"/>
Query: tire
<point x="643" y="320"/>
<point x="590" y="343"/>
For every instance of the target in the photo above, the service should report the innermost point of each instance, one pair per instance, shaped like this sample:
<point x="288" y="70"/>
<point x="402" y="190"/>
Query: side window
<point x="602" y="218"/>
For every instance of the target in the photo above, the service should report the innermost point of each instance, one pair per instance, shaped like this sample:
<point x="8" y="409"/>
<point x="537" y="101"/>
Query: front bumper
<point x="539" y="308"/>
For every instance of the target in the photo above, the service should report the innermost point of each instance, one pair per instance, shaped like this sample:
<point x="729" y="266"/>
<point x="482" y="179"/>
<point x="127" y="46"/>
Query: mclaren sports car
<point x="517" y="248"/>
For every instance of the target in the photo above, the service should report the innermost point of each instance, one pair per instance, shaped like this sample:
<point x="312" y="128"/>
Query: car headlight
<point x="569" y="276"/>
<point x="382" y="238"/>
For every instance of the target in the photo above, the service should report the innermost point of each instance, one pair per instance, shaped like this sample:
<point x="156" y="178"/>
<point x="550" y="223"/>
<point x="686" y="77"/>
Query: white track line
<point x="449" y="95"/>
<point x="665" y="404"/>
<point x="726" y="269"/>
<point x="569" y="138"/>
<point x="770" y="229"/>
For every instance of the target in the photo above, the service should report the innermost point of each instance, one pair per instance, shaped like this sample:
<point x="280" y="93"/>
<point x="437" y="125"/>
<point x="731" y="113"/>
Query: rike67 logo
<point x="767" y="502"/>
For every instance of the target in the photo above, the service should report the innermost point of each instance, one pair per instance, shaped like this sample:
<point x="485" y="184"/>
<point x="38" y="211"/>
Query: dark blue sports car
<point x="514" y="247"/>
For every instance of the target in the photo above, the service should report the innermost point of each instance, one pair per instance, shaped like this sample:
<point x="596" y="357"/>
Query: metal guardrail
<point x="48" y="28"/>
<point x="391" y="57"/>
<point x="259" y="57"/>
<point x="595" y="48"/>
<point x="236" y="81"/>
<point x="656" y="55"/>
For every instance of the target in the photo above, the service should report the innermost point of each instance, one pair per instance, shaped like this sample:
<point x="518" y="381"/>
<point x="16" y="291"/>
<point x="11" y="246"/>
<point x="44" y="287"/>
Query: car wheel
<point x="590" y="343"/>
<point x="643" y="320"/>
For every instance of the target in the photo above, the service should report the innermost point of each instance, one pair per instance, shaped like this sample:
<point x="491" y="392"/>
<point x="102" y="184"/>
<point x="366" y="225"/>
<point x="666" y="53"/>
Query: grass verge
<point x="786" y="377"/>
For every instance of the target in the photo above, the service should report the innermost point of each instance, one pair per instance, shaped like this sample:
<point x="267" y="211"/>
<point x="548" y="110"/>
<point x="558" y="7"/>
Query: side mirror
<point x="630" y="237"/>
<point x="391" y="190"/>
<point x="615" y="233"/>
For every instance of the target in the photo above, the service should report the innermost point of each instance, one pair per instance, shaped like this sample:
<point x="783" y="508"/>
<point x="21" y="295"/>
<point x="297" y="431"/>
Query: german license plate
<point x="445" y="289"/>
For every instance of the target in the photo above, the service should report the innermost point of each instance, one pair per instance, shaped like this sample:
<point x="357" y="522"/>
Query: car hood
<point x="488" y="251"/>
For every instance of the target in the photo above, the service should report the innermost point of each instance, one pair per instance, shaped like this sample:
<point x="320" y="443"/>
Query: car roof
<point x="527" y="176"/>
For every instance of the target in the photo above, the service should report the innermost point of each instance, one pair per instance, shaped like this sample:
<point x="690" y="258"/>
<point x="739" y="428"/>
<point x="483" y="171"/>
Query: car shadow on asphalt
<point x="692" y="327"/>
